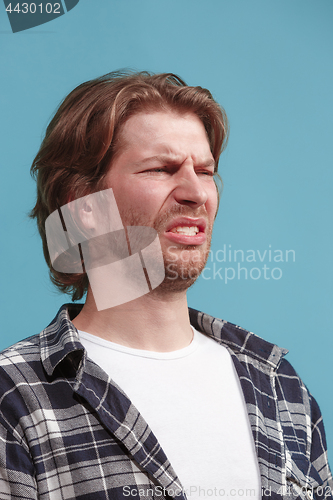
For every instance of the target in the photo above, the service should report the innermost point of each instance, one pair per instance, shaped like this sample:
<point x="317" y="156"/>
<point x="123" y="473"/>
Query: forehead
<point x="165" y="132"/>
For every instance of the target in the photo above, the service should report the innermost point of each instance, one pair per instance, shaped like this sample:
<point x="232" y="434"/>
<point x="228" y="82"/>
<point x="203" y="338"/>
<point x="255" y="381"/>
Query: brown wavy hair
<point x="82" y="140"/>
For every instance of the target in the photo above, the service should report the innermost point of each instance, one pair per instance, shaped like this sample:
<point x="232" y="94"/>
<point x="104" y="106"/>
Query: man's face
<point x="163" y="178"/>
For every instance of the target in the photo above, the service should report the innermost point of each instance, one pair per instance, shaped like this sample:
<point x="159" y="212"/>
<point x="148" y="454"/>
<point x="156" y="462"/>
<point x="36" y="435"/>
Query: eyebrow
<point x="173" y="160"/>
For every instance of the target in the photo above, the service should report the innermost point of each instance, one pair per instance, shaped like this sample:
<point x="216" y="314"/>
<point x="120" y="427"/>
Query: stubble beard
<point x="183" y="266"/>
<point x="183" y="263"/>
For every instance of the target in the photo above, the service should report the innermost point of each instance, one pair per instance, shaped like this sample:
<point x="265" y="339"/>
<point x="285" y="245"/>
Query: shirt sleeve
<point x="17" y="469"/>
<point x="303" y="433"/>
<point x="318" y="451"/>
<point x="17" y="477"/>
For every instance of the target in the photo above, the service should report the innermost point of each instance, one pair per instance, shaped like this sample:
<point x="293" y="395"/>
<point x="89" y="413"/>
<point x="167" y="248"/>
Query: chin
<point x="183" y="266"/>
<point x="179" y="278"/>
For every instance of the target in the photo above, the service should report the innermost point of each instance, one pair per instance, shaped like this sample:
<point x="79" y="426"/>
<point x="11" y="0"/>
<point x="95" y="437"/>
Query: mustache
<point x="163" y="220"/>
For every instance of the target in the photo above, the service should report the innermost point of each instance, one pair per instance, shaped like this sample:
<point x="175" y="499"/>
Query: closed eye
<point x="159" y="170"/>
<point x="173" y="169"/>
<point x="153" y="171"/>
<point x="209" y="173"/>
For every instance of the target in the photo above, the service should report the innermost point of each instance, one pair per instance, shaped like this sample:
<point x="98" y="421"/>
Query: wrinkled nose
<point x="189" y="189"/>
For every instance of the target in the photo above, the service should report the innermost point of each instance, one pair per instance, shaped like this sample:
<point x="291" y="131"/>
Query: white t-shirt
<point x="192" y="400"/>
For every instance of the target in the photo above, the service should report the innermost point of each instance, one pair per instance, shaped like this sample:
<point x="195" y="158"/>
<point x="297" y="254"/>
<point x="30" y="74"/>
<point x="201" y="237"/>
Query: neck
<point x="151" y="323"/>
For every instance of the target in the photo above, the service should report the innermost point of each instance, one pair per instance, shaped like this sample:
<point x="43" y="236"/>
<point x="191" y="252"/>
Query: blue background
<point x="269" y="63"/>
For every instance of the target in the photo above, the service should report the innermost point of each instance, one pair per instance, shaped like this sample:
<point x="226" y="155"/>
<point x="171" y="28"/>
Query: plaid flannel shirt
<point x="67" y="431"/>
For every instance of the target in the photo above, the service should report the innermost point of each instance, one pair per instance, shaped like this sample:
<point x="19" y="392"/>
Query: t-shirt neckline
<point x="179" y="353"/>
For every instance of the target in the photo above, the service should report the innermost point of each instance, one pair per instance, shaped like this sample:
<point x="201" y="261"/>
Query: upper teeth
<point x="191" y="230"/>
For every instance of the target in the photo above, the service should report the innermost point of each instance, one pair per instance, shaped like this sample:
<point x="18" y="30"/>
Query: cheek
<point x="150" y="197"/>
<point x="137" y="199"/>
<point x="125" y="194"/>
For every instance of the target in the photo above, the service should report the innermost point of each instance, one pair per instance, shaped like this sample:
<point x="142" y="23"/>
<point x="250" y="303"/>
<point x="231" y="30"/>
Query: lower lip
<point x="185" y="239"/>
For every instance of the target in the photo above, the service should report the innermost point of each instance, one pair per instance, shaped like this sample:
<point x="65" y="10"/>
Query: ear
<point x="80" y="218"/>
<point x="92" y="215"/>
<point x="87" y="212"/>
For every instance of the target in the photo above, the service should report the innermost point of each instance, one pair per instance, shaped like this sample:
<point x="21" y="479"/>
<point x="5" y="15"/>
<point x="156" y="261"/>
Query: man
<point x="143" y="397"/>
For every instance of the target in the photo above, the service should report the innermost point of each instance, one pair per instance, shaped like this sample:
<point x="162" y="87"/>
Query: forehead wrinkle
<point x="174" y="160"/>
<point x="162" y="158"/>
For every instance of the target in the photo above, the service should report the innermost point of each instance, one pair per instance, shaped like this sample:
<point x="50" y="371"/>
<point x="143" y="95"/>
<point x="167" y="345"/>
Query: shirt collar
<point x="60" y="339"/>
<point x="237" y="339"/>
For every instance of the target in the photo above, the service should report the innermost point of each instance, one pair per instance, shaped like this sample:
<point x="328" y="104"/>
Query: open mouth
<point x="187" y="225"/>
<point x="188" y="230"/>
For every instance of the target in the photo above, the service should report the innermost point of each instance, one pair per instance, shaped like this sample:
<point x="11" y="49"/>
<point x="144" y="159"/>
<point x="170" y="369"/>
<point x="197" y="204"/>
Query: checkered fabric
<point x="67" y="431"/>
